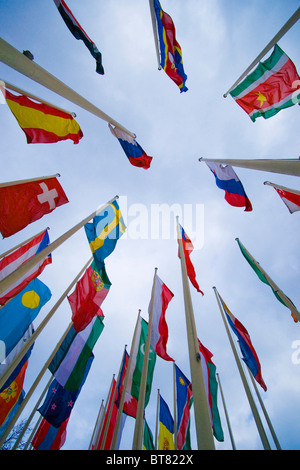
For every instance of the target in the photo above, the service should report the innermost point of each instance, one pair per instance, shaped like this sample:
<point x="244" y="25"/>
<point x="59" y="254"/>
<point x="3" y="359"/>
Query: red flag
<point x="48" y="437"/>
<point x="188" y="248"/>
<point x="24" y="203"/>
<point x="290" y="199"/>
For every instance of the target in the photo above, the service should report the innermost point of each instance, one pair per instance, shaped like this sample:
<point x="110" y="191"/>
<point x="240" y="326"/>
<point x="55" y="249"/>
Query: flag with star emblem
<point x="24" y="203"/>
<point x="271" y="87"/>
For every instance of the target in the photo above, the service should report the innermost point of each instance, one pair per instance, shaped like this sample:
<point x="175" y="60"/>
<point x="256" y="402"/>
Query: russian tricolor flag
<point x="134" y="152"/>
<point x="227" y="180"/>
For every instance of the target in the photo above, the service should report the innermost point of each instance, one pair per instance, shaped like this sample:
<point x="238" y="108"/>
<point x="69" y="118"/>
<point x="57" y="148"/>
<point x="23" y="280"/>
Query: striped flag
<point x="271" y="87"/>
<point x="184" y="400"/>
<point x="166" y="427"/>
<point x="290" y="198"/>
<point x="79" y="33"/>
<point x="188" y="247"/>
<point x="41" y="123"/>
<point x="133" y="151"/>
<point x="18" y="257"/>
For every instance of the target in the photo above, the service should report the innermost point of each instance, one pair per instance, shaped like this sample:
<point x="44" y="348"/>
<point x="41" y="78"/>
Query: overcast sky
<point x="219" y="39"/>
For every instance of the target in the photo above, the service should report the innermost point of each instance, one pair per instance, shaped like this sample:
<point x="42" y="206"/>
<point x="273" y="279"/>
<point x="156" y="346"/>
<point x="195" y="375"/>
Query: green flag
<point x="147" y="438"/>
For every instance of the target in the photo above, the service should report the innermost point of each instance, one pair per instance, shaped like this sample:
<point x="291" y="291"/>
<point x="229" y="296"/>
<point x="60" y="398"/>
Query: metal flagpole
<point x="24" y="268"/>
<point x="226" y="414"/>
<point x="123" y="395"/>
<point x="175" y="407"/>
<point x="18" y="61"/>
<point x="265" y="412"/>
<point x="33" y="387"/>
<point x="154" y="26"/>
<point x="11" y="367"/>
<point x="283" y="188"/>
<point x="30" y="180"/>
<point x="284" y="166"/>
<point x="97" y="424"/>
<point x="255" y="413"/>
<point x="274" y="286"/>
<point x="5" y="84"/>
<point x="97" y="439"/>
<point x="138" y="429"/>
<point x="157" y="419"/>
<point x="202" y="418"/>
<point x="293" y="19"/>
<point x="22" y="243"/>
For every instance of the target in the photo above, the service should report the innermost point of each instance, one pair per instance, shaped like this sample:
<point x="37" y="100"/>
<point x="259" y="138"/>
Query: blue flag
<point x="20" y="311"/>
<point x="104" y="232"/>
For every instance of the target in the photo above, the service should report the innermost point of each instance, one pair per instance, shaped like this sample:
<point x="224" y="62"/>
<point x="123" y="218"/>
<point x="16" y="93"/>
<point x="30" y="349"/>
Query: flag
<point x="104" y="232"/>
<point x="72" y="368"/>
<point x="211" y="386"/>
<point x="41" y="123"/>
<point x="263" y="278"/>
<point x="110" y="404"/>
<point x="272" y="86"/>
<point x="227" y="179"/>
<point x="135" y="372"/>
<point x="24" y="203"/>
<point x="147" y="437"/>
<point x="184" y="400"/>
<point x="89" y="293"/>
<point x="166" y="427"/>
<point x="79" y="33"/>
<point x="62" y="350"/>
<point x="11" y="262"/>
<point x="49" y="437"/>
<point x="187" y="249"/>
<point x="170" y="50"/>
<point x="59" y="401"/>
<point x="290" y="199"/>
<point x="159" y="333"/>
<point x="10" y="396"/>
<point x="247" y="349"/>
<point x="11" y="415"/>
<point x="133" y="151"/>
<point x="20" y="311"/>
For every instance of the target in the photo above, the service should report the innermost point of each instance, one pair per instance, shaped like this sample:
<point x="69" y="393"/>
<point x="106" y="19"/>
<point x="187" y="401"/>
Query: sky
<point x="219" y="39"/>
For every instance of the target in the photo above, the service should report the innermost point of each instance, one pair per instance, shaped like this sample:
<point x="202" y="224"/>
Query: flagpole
<point x="226" y="414"/>
<point x="32" y="434"/>
<point x="274" y="286"/>
<point x="265" y="412"/>
<point x="96" y="425"/>
<point x="202" y="418"/>
<point x="5" y="84"/>
<point x="24" y="268"/>
<point x="23" y="243"/>
<point x="256" y="416"/>
<point x="283" y="188"/>
<point x="11" y="367"/>
<point x="293" y="19"/>
<point x="153" y="19"/>
<point x="123" y="395"/>
<point x="284" y="166"/>
<point x="30" y="180"/>
<point x="175" y="408"/>
<point x="18" y="61"/>
<point x="138" y="429"/>
<point x="33" y="388"/>
<point x="104" y="414"/>
<point x="156" y="421"/>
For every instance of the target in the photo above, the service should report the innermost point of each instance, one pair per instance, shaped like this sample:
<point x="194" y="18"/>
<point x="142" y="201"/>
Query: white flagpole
<point x="202" y="418"/>
<point x="24" y="268"/>
<point x="97" y="438"/>
<point x="18" y="61"/>
<point x="30" y="180"/>
<point x="226" y="414"/>
<point x="293" y="19"/>
<point x="284" y="166"/>
<point x="154" y="26"/>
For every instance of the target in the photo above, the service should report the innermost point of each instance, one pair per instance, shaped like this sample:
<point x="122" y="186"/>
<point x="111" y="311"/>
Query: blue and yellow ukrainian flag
<point x="166" y="427"/>
<point x="102" y="234"/>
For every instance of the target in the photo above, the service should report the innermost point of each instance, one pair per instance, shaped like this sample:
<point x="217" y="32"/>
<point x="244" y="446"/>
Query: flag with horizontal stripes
<point x="271" y="87"/>
<point x="166" y="427"/>
<point x="184" y="401"/>
<point x="133" y="151"/>
<point x="41" y="123"/>
<point x="12" y="261"/>
<point x="48" y="437"/>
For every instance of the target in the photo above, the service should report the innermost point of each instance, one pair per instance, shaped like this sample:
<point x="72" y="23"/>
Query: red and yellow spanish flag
<point x="41" y="123"/>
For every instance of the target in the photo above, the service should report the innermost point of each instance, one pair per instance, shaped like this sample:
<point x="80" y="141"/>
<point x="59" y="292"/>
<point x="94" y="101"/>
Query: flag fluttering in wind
<point x="227" y="179"/>
<point x="184" y="400"/>
<point x="41" y="123"/>
<point x="9" y="396"/>
<point x="12" y="261"/>
<point x="170" y="50"/>
<point x="187" y="249"/>
<point x="166" y="427"/>
<point x="249" y="355"/>
<point x="133" y="151"/>
<point x="104" y="232"/>
<point x="88" y="295"/>
<point x="24" y="203"/>
<point x="79" y="33"/>
<point x="271" y="87"/>
<point x="48" y="437"/>
<point x="147" y="437"/>
<point x="159" y="333"/>
<point x="211" y="385"/>
<point x="290" y="198"/>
